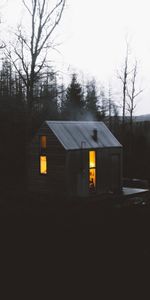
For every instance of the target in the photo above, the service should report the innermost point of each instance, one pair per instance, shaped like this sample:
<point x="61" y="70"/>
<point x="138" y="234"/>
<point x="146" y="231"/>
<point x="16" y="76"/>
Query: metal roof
<point x="79" y="134"/>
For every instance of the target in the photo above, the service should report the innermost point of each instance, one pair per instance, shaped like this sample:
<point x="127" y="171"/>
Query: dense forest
<point x="55" y="101"/>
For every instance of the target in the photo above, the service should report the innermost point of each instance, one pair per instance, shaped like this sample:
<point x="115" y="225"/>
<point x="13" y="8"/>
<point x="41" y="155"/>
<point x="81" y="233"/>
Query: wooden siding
<point x="106" y="169"/>
<point x="55" y="177"/>
<point x="77" y="172"/>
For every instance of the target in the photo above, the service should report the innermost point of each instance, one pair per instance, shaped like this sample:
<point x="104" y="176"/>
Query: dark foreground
<point x="89" y="247"/>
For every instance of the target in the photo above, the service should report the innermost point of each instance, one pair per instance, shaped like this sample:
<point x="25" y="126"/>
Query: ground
<point x="81" y="242"/>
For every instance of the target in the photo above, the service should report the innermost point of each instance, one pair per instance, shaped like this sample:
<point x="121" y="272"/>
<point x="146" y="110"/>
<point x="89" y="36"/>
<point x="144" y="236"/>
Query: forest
<point x="31" y="92"/>
<point x="55" y="101"/>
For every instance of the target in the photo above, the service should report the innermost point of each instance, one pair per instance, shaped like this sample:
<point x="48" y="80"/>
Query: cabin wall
<point x="54" y="180"/>
<point x="108" y="171"/>
<point x="77" y="172"/>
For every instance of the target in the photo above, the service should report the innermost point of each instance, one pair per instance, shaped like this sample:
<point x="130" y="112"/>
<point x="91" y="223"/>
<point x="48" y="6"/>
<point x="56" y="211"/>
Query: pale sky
<point x="92" y="36"/>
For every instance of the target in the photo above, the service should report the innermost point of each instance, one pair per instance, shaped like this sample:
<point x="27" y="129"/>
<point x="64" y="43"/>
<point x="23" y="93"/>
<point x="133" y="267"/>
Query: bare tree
<point x="29" y="53"/>
<point x="132" y="93"/>
<point x="124" y="77"/>
<point x="110" y="105"/>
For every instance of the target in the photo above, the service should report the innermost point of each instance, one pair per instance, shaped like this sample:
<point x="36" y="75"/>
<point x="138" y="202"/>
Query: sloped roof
<point x="78" y="134"/>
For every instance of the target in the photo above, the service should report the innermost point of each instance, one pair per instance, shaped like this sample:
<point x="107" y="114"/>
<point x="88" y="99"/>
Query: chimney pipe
<point x="95" y="135"/>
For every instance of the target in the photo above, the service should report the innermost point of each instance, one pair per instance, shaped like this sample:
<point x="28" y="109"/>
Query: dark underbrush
<point x="108" y="246"/>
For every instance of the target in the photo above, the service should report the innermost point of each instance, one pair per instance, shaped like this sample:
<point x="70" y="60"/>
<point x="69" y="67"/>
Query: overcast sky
<point x="92" y="36"/>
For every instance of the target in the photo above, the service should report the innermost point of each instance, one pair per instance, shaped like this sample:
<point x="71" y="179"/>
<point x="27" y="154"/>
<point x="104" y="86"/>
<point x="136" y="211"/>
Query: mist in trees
<point x="92" y="101"/>
<point x="52" y="100"/>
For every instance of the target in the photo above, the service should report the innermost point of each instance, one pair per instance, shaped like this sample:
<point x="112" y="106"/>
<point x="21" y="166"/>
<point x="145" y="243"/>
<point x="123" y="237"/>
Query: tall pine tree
<point x="73" y="104"/>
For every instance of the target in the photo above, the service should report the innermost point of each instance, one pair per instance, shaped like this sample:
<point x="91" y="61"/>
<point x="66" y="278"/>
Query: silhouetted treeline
<point x="56" y="101"/>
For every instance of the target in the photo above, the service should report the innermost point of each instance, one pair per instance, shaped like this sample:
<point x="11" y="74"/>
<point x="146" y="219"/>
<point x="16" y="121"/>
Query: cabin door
<point x="115" y="172"/>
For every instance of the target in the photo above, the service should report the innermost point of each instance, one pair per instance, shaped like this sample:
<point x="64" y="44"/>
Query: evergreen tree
<point x="11" y="93"/>
<point x="73" y="104"/>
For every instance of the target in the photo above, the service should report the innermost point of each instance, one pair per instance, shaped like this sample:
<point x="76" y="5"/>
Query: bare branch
<point x="54" y="26"/>
<point x="3" y="45"/>
<point x="22" y="39"/>
<point x="41" y="65"/>
<point x="132" y="94"/>
<point x="138" y="93"/>
<point x="52" y="11"/>
<point x="27" y="7"/>
<point x="8" y="55"/>
<point x="32" y="52"/>
<point x="33" y="25"/>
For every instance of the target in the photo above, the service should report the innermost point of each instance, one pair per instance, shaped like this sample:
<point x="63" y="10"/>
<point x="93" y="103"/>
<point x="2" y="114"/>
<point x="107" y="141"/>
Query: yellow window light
<point x="43" y="164"/>
<point x="92" y="159"/>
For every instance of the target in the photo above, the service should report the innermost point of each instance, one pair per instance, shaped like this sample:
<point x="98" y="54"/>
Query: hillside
<point x="142" y="118"/>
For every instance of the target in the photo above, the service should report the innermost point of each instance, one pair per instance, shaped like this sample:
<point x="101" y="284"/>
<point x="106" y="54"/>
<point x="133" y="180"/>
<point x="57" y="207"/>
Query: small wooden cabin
<point x="75" y="158"/>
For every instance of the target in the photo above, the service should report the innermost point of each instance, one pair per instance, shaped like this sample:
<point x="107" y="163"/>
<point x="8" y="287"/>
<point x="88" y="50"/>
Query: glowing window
<point x="43" y="141"/>
<point x="92" y="171"/>
<point x="92" y="159"/>
<point x="43" y="164"/>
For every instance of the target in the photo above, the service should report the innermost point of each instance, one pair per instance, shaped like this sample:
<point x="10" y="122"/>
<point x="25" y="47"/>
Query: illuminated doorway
<point x="92" y="171"/>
